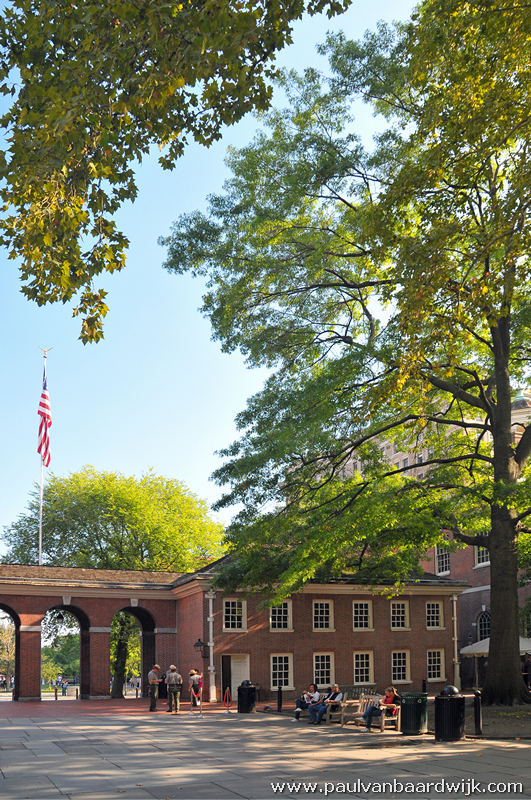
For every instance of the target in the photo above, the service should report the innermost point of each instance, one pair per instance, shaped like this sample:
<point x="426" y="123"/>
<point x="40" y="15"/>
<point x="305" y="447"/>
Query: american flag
<point x="45" y="414"/>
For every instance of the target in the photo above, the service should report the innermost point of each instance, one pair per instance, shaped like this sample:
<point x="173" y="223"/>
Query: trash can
<point x="246" y="698"/>
<point x="449" y="715"/>
<point x="414" y="713"/>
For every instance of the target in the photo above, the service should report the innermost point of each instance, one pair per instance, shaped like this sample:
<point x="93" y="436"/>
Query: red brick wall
<point x="259" y="642"/>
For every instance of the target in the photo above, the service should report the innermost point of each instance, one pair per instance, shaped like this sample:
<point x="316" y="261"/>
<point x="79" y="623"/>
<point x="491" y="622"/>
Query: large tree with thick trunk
<point x="390" y="293"/>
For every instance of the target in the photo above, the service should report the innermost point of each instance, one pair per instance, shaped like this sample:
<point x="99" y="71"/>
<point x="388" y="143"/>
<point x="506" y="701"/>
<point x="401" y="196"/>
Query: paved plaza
<point x="114" y="750"/>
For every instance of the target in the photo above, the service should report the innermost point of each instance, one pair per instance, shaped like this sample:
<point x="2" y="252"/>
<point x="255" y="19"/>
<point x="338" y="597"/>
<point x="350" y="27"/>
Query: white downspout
<point x="211" y="669"/>
<point x="457" y="677"/>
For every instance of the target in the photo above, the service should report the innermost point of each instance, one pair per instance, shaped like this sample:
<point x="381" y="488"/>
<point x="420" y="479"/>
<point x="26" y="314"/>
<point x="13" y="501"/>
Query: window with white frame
<point x="362" y="615"/>
<point x="323" y="669"/>
<point x="281" y="670"/>
<point x="483" y="626"/>
<point x="434" y="614"/>
<point x="442" y="560"/>
<point x="436" y="665"/>
<point x="399" y="614"/>
<point x="323" y="615"/>
<point x="363" y="668"/>
<point x="235" y="615"/>
<point x="400" y="672"/>
<point x="280" y="617"/>
<point x="482" y="556"/>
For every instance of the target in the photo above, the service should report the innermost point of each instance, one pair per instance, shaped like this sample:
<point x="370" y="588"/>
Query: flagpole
<point x="43" y="448"/>
<point x="40" y="513"/>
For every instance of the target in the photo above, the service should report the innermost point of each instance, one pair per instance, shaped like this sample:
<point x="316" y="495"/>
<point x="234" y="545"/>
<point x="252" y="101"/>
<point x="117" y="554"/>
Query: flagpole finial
<point x="45" y="351"/>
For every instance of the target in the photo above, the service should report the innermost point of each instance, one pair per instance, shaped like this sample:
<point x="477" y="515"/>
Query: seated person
<point x="318" y="711"/>
<point x="311" y="697"/>
<point x="389" y="704"/>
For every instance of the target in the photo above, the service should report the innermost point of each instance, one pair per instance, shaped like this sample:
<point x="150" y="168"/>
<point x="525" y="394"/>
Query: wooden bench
<point x="383" y="721"/>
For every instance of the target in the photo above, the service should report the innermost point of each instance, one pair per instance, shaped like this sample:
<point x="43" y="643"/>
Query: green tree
<point x="7" y="646"/>
<point x="95" y="85"/>
<point x="105" y="520"/>
<point x="389" y="291"/>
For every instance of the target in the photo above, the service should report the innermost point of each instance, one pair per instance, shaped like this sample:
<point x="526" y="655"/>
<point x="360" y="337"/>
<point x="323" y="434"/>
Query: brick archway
<point x="93" y="597"/>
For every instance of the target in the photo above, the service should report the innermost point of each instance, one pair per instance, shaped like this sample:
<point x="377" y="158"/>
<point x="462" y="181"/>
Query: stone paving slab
<point x="232" y="757"/>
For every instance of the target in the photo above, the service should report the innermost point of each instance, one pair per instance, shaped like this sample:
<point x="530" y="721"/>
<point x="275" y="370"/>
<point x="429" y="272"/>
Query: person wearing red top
<point x="387" y="705"/>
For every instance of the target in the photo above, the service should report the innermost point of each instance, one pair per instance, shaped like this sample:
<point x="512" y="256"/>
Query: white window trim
<point x="441" y="617"/>
<point x="243" y="629"/>
<point x="332" y="668"/>
<point x="446" y="571"/>
<point x="407" y="620"/>
<point x="408" y="667"/>
<point x="371" y="618"/>
<point x="443" y="664"/>
<point x="331" y="629"/>
<point x="371" y="666"/>
<point x="291" y="686"/>
<point x="483" y="563"/>
<point x="289" y="629"/>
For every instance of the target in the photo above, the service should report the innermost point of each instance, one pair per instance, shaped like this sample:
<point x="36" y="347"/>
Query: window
<point x="420" y="458"/>
<point x="323" y="669"/>
<point x="362" y="615"/>
<point x="481" y="556"/>
<point x="235" y="615"/>
<point x="434" y="615"/>
<point x="442" y="560"/>
<point x="323" y="615"/>
<point x="399" y="614"/>
<point x="436" y="665"/>
<point x="280" y="617"/>
<point x="281" y="670"/>
<point x="363" y="668"/>
<point x="405" y="463"/>
<point x="400" y="666"/>
<point x="483" y="626"/>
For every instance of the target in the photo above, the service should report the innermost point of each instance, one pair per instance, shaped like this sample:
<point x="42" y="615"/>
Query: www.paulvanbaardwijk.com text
<point x="466" y="787"/>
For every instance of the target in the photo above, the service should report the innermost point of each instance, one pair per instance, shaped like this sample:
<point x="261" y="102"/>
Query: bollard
<point x="77" y="693"/>
<point x="279" y="699"/>
<point x="478" y="721"/>
<point x="424" y="686"/>
<point x="137" y="692"/>
<point x="56" y="692"/>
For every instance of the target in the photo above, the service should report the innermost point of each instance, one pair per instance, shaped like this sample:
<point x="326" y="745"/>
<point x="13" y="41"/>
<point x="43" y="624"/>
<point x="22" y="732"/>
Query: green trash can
<point x="414" y="713"/>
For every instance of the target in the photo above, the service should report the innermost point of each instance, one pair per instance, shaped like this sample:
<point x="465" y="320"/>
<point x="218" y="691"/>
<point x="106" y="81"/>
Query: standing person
<point x="174" y="682"/>
<point x="154" y="680"/>
<point x="193" y="682"/>
<point x="309" y="698"/>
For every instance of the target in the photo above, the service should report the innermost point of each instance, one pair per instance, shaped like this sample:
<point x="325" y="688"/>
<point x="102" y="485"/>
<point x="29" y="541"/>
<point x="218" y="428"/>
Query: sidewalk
<point x="103" y="750"/>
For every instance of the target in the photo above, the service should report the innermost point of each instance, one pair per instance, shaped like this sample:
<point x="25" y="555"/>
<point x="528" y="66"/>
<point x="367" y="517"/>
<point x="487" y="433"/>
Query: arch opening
<point x="132" y="645"/>
<point x="61" y="650"/>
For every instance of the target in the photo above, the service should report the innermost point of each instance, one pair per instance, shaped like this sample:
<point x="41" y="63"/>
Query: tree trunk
<point x="504" y="684"/>
<point x="122" y="646"/>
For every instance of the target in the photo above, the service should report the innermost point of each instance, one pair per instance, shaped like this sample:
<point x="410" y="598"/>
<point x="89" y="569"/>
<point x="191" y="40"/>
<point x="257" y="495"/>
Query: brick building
<point x="335" y="632"/>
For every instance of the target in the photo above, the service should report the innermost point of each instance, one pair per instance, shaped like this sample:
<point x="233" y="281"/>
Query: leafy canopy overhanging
<point x="389" y="293"/>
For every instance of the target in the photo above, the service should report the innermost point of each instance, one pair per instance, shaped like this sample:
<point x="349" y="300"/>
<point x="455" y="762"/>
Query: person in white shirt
<point x="308" y="699"/>
<point x="318" y="711"/>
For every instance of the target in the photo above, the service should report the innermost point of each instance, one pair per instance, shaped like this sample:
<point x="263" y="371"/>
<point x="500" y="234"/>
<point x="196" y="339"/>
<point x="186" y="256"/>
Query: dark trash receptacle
<point x="246" y="698"/>
<point x="414" y="713"/>
<point x="449" y="716"/>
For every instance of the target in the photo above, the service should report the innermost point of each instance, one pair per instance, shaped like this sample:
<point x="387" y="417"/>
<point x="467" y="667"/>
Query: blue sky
<point x="156" y="392"/>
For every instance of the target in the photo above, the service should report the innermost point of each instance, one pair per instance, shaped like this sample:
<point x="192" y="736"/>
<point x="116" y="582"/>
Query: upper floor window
<point x="405" y="463"/>
<point x="323" y="616"/>
<point x="399" y="614"/>
<point x="434" y="615"/>
<point x="362" y="615"/>
<point x="442" y="560"/>
<point x="481" y="556"/>
<point x="235" y="615"/>
<point x="483" y="626"/>
<point x="280" y="617"/>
